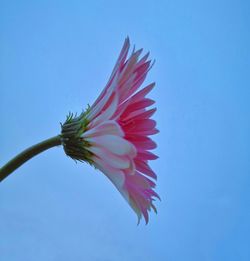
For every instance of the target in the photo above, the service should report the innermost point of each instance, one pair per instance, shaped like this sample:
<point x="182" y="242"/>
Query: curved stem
<point x="27" y="154"/>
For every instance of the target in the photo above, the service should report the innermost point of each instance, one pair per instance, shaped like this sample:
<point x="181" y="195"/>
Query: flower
<point x="113" y="133"/>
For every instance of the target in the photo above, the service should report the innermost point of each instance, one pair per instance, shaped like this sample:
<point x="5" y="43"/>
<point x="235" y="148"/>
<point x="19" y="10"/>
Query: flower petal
<point x="146" y="155"/>
<point x="116" y="176"/>
<point x="107" y="113"/>
<point x="104" y="128"/>
<point x="115" y="144"/>
<point x="115" y="161"/>
<point x="144" y="168"/>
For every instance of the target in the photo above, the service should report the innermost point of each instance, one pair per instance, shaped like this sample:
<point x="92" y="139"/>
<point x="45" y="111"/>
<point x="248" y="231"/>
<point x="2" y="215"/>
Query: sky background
<point x="55" y="57"/>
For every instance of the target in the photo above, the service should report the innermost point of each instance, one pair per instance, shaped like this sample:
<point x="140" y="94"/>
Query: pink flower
<point x="113" y="134"/>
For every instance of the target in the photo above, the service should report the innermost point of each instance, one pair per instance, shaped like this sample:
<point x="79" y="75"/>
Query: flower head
<point x="113" y="133"/>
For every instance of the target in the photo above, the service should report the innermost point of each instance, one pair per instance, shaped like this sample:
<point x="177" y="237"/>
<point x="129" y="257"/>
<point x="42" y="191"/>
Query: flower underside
<point x="74" y="145"/>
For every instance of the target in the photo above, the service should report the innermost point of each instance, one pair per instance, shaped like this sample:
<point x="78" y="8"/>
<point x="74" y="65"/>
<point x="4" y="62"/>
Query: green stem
<point x="27" y="154"/>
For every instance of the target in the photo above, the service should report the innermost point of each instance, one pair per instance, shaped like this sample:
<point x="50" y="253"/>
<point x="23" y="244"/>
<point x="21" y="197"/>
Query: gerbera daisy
<point x="113" y="134"/>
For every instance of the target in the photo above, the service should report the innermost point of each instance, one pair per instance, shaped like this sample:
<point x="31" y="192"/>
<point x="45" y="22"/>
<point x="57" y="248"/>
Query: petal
<point x="144" y="168"/>
<point x="146" y="155"/>
<point x="115" y="161"/>
<point x="143" y="59"/>
<point x="145" y="133"/>
<point x="139" y="125"/>
<point x="144" y="115"/>
<point x="148" y="145"/>
<point x="140" y="104"/>
<point x="97" y="107"/>
<point x="119" y="63"/>
<point x="107" y="127"/>
<point x="116" y="176"/>
<point x="115" y="144"/>
<point x="129" y="67"/>
<point x="140" y="78"/>
<point x="142" y="93"/>
<point x="107" y="113"/>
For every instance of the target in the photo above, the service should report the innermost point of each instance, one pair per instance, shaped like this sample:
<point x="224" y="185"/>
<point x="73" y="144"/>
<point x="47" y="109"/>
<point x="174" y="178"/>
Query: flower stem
<point x="27" y="154"/>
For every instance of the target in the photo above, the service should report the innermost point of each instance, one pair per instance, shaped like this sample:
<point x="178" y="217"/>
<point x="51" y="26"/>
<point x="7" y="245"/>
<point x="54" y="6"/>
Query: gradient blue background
<point x="55" y="57"/>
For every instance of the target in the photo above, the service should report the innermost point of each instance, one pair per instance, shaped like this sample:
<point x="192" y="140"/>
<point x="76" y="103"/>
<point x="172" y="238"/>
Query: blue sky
<point x="55" y="57"/>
